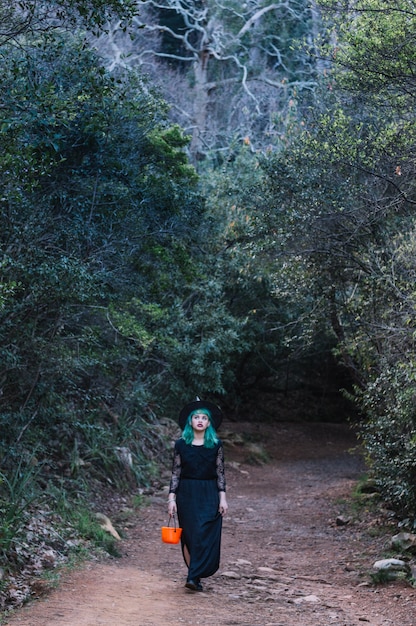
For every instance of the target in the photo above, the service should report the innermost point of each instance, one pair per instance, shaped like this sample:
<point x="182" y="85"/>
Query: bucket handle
<point x="172" y="517"/>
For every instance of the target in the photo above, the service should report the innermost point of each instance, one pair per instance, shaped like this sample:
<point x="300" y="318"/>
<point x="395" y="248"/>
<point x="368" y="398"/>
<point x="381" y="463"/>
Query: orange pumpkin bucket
<point x="171" y="534"/>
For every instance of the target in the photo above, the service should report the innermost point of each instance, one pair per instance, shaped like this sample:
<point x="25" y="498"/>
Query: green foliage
<point x="347" y="226"/>
<point x="376" y="46"/>
<point x="17" y="491"/>
<point x="87" y="526"/>
<point x="111" y="303"/>
<point x="339" y="202"/>
<point x="390" y="434"/>
<point x="374" y="60"/>
<point x="268" y="284"/>
<point x="30" y="16"/>
<point x="84" y="157"/>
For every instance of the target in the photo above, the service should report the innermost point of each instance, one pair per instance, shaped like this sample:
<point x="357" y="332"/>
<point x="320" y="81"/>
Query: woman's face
<point x="200" y="422"/>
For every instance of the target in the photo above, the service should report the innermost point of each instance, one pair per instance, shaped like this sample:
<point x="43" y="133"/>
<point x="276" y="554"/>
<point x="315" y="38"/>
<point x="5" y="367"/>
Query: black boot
<point x="194" y="585"/>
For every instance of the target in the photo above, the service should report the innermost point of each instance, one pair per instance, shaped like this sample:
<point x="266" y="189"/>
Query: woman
<point x="197" y="490"/>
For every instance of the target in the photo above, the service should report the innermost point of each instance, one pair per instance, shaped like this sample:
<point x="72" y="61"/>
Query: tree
<point x="376" y="58"/>
<point x="342" y="197"/>
<point x="95" y="184"/>
<point x="375" y="45"/>
<point x="28" y="16"/>
<point x="229" y="69"/>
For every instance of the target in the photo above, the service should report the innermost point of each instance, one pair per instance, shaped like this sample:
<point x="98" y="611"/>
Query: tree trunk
<point x="200" y="106"/>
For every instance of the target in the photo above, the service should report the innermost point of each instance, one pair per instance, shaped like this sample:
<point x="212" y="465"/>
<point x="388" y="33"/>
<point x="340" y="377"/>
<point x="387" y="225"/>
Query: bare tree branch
<point x="210" y="57"/>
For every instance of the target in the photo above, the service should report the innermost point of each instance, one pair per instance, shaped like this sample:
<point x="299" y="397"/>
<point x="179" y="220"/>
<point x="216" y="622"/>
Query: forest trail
<point x="285" y="560"/>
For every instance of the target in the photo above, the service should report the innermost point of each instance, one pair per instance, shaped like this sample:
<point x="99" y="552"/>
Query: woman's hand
<point x="172" y="510"/>
<point x="223" y="508"/>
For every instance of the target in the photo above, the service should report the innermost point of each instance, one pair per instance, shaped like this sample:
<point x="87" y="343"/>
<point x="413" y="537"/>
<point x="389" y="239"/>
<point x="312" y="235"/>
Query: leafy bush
<point x="17" y="491"/>
<point x="390" y="436"/>
<point x="94" y="185"/>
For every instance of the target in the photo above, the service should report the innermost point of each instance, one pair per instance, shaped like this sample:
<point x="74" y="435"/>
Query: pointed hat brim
<point x="216" y="414"/>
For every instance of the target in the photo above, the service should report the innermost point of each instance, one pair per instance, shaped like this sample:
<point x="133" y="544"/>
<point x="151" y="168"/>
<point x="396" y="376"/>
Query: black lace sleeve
<point x="220" y="469"/>
<point x="176" y="471"/>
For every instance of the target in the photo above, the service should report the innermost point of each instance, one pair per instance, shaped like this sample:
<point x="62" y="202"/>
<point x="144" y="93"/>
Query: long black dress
<point x="197" y="477"/>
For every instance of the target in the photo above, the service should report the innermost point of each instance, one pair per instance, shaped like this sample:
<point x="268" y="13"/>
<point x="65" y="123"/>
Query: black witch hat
<point x="215" y="411"/>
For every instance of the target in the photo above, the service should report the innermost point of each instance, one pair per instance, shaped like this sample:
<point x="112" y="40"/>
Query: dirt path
<point x="285" y="560"/>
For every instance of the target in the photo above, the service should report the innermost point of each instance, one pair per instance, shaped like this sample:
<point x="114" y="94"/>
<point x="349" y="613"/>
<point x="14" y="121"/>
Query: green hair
<point x="210" y="435"/>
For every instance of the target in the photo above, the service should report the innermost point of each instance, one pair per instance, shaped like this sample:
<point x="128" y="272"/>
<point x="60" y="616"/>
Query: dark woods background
<point x="208" y="199"/>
